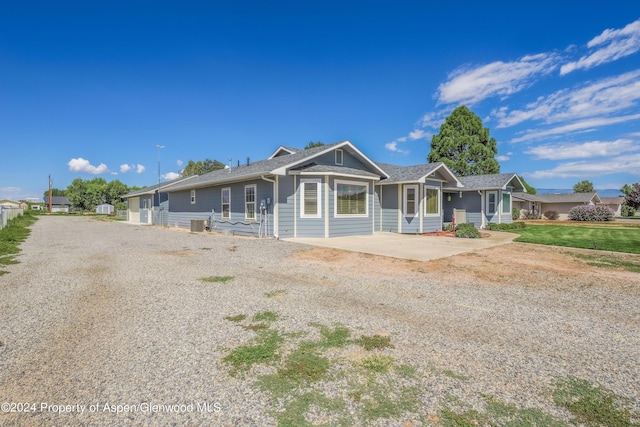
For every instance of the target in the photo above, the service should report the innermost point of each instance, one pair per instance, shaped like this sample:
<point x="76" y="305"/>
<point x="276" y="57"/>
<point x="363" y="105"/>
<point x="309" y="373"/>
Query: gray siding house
<point x="335" y="190"/>
<point x="149" y="205"/>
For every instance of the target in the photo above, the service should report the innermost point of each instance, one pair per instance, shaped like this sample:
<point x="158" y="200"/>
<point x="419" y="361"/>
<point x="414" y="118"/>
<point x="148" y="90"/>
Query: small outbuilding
<point x="105" y="209"/>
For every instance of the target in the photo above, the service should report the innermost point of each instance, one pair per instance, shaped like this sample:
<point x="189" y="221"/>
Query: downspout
<point x="482" y="216"/>
<point x="275" y="205"/>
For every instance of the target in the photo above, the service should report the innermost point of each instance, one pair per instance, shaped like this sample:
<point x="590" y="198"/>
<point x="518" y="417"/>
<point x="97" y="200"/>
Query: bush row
<point x="591" y="213"/>
<point x="504" y="226"/>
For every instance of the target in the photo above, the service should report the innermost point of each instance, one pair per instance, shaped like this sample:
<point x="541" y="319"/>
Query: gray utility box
<point x="198" y="225"/>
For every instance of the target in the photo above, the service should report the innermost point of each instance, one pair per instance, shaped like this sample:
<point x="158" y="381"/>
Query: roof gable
<point x="498" y="181"/>
<point x="418" y="173"/>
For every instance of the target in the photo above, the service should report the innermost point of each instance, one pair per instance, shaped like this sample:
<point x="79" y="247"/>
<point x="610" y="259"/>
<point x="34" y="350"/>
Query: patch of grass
<point x="405" y="371"/>
<point x="374" y="342"/>
<point x="294" y="414"/>
<point x="387" y="402"/>
<point x="607" y="238"/>
<point x="217" y="279"/>
<point x="455" y="376"/>
<point x="265" y="316"/>
<point x="265" y="350"/>
<point x="608" y="261"/>
<point x="507" y="414"/>
<point x="16" y="232"/>
<point x="592" y="405"/>
<point x="468" y="418"/>
<point x="236" y="318"/>
<point x="256" y="326"/>
<point x="337" y="337"/>
<point x="304" y="366"/>
<point x="276" y="293"/>
<point x="377" y="363"/>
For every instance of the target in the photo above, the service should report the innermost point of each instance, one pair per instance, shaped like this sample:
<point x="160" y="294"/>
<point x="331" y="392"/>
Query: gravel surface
<point x="100" y="314"/>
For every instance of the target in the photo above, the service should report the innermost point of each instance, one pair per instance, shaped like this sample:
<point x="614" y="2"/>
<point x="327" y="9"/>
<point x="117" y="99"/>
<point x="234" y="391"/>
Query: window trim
<point x="504" y="193"/>
<point x="335" y="198"/>
<point x="255" y="202"/>
<point x="318" y="183"/>
<point x="341" y="156"/>
<point x="193" y="196"/>
<point x="416" y="202"/>
<point x="438" y="203"/>
<point x="222" y="203"/>
<point x="495" y="207"/>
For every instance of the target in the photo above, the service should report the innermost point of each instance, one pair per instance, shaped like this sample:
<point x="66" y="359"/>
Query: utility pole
<point x="50" y="194"/>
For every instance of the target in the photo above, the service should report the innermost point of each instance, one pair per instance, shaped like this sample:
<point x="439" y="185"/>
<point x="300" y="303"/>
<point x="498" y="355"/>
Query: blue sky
<point x="90" y="88"/>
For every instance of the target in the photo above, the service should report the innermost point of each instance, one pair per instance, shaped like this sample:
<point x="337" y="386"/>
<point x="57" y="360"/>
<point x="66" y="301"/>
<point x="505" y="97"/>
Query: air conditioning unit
<point x="198" y="225"/>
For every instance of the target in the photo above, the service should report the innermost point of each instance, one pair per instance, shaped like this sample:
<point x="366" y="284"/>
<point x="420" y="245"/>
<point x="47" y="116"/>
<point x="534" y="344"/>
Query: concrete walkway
<point x="409" y="246"/>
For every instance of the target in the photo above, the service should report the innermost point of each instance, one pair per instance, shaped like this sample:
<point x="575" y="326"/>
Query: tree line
<point x="85" y="195"/>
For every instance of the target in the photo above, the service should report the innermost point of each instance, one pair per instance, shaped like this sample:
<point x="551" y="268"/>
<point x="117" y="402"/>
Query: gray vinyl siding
<point x="144" y="216"/>
<point x="347" y="160"/>
<point x="431" y="223"/>
<point x="286" y="197"/>
<point x="470" y="201"/>
<point x="377" y="208"/>
<point x="209" y="206"/>
<point x="349" y="226"/>
<point x="389" y="208"/>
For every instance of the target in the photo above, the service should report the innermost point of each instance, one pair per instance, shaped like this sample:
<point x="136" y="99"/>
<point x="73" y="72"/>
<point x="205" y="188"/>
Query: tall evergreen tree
<point x="464" y="145"/>
<point x="584" y="186"/>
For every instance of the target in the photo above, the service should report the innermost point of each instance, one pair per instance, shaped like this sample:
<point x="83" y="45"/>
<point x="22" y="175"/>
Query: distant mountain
<point x="607" y="192"/>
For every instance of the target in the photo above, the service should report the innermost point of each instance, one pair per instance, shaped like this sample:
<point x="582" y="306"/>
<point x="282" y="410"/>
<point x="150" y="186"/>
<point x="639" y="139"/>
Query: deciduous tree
<point x="584" y="186"/>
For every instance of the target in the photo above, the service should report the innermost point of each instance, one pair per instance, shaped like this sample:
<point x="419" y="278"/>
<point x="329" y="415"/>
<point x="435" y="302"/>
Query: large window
<point x="351" y="198"/>
<point x="410" y="200"/>
<point x="226" y="203"/>
<point x="311" y="198"/>
<point x="506" y="203"/>
<point x="250" y="201"/>
<point x="492" y="201"/>
<point x="432" y="201"/>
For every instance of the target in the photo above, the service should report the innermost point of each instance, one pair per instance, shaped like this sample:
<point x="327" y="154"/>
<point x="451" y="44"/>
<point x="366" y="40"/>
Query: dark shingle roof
<point x="415" y="173"/>
<point x="152" y="189"/>
<point x="560" y="198"/>
<point x="489" y="182"/>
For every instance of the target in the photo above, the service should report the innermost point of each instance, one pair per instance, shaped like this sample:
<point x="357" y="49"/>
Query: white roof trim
<point x="346" y="175"/>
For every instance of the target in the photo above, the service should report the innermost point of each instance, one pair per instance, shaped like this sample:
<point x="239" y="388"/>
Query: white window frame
<point x="222" y="203"/>
<point x="507" y="205"/>
<point x="247" y="203"/>
<point x="495" y="207"/>
<point x="193" y="196"/>
<point x="438" y="195"/>
<point x="318" y="183"/>
<point x="335" y="198"/>
<point x="416" y="201"/>
<point x="339" y="157"/>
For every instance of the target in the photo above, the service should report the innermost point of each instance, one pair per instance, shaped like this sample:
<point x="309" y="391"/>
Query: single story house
<point x="335" y="190"/>
<point x="538" y="204"/>
<point x="59" y="204"/>
<point x="149" y="205"/>
<point x="9" y="204"/>
<point x="614" y="203"/>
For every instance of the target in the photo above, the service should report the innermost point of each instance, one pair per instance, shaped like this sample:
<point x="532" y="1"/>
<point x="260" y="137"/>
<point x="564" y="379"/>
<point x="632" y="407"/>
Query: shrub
<point x="467" y="231"/>
<point x="591" y="213"/>
<point x="530" y="214"/>
<point x="515" y="213"/>
<point x="553" y="215"/>
<point x="627" y="211"/>
<point x="504" y="226"/>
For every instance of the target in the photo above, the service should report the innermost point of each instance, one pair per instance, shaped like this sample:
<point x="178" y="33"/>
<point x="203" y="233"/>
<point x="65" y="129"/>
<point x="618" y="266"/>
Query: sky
<point x="90" y="89"/>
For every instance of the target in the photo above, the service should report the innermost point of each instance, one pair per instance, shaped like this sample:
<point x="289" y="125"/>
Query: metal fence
<point x="8" y="214"/>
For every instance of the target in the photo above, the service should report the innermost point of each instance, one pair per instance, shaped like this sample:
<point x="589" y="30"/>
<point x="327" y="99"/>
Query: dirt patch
<point x="505" y="264"/>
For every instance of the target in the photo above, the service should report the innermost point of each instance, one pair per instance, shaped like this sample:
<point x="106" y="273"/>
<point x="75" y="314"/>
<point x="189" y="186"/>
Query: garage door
<point x="134" y="209"/>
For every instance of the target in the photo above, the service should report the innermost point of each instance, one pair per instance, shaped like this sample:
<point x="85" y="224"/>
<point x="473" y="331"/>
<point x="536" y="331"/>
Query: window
<point x="492" y="200"/>
<point x="226" y="203"/>
<point x="339" y="157"/>
<point x="506" y="203"/>
<point x="432" y="201"/>
<point x="311" y="198"/>
<point x="250" y="201"/>
<point x="410" y="200"/>
<point x="193" y="197"/>
<point x="351" y="198"/>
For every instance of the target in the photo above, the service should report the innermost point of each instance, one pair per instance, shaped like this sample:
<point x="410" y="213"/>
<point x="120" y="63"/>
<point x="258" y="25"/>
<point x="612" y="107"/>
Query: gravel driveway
<point x="105" y="323"/>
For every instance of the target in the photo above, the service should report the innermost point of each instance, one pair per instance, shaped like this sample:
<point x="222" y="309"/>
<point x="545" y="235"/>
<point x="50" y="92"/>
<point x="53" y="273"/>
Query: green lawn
<point x="607" y="238"/>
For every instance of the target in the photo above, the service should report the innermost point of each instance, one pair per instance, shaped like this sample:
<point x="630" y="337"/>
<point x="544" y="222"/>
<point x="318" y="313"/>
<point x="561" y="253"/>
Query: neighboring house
<point x="104" y="208"/>
<point x="149" y="205"/>
<point x="482" y="199"/>
<point x="614" y="203"/>
<point x="561" y="203"/>
<point x="334" y="190"/>
<point x="59" y="204"/>
<point x="9" y="204"/>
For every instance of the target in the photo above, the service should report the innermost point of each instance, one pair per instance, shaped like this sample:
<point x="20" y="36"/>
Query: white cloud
<point x="580" y="126"/>
<point x="585" y="169"/>
<point x="502" y="158"/>
<point x="125" y="168"/>
<point x="583" y="150"/>
<point x="611" y="45"/>
<point x="470" y="86"/>
<point x="170" y="176"/>
<point x="179" y="162"/>
<point x="605" y="96"/>
<point x="140" y="168"/>
<point x="393" y="146"/>
<point x="84" y="166"/>
<point x="418" y="134"/>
